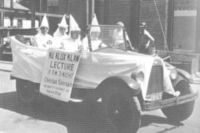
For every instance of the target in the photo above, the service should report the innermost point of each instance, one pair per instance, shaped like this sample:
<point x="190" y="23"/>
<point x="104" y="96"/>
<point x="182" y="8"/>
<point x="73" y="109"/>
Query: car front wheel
<point x="183" y="111"/>
<point x="121" y="109"/>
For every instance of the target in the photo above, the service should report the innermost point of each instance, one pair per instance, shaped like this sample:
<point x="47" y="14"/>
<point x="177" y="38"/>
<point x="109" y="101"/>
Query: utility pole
<point x="87" y="11"/>
<point x="32" y="2"/>
<point x="198" y="27"/>
<point x="2" y="14"/>
<point x="107" y="11"/>
<point x="1" y="22"/>
<point x="170" y="24"/>
<point x="134" y="22"/>
<point x="68" y="7"/>
<point x="11" y="16"/>
<point x="92" y="9"/>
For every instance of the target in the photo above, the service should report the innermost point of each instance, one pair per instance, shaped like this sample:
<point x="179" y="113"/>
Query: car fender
<point x="182" y="75"/>
<point x="132" y="85"/>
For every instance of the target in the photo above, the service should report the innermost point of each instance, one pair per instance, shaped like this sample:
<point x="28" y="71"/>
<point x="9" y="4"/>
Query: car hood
<point x="94" y="67"/>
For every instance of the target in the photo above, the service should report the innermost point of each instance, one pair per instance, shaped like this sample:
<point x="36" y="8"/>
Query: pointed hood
<point x="44" y="22"/>
<point x="95" y="24"/>
<point x="73" y="24"/>
<point x="63" y="22"/>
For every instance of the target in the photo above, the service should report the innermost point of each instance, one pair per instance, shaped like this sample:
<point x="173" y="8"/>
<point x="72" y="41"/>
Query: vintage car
<point x="122" y="80"/>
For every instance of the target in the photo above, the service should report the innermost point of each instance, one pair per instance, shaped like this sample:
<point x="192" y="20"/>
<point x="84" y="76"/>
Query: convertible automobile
<point x="122" y="80"/>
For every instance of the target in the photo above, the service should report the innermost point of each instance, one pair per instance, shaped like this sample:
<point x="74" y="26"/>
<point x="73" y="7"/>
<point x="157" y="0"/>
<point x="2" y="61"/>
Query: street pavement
<point x="58" y="117"/>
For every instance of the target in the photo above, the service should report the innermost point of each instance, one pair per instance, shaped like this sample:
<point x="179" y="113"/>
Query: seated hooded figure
<point x="120" y="38"/>
<point x="61" y="32"/>
<point x="118" y="34"/>
<point x="72" y="43"/>
<point x="95" y="33"/>
<point x="42" y="39"/>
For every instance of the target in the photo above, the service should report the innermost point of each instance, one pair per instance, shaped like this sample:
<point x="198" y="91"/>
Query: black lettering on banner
<point x="51" y="55"/>
<point x="54" y="72"/>
<point x="66" y="74"/>
<point x="51" y="64"/>
<point x="50" y="80"/>
<point x="61" y="65"/>
<point x="73" y="58"/>
<point x="53" y="92"/>
<point x="57" y="56"/>
<point x="60" y="56"/>
<point x="63" y="83"/>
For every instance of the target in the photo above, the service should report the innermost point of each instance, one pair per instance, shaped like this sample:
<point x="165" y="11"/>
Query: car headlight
<point x="138" y="76"/>
<point x="173" y="74"/>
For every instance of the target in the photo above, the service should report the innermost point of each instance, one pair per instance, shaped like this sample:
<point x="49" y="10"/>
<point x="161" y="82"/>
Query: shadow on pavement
<point x="148" y="119"/>
<point x="76" y="117"/>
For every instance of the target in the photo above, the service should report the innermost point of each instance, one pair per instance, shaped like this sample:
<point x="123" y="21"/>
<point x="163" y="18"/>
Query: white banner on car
<point x="59" y="73"/>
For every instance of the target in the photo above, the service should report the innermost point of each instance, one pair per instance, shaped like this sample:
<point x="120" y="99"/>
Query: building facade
<point x="173" y="23"/>
<point x="185" y="25"/>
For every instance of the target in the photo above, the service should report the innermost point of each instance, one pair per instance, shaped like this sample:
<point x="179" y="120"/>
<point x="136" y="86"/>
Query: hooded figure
<point x="62" y="28"/>
<point x="42" y="39"/>
<point x="72" y="43"/>
<point x="95" y="32"/>
<point x="120" y="37"/>
<point x="95" y="23"/>
<point x="60" y="33"/>
<point x="118" y="34"/>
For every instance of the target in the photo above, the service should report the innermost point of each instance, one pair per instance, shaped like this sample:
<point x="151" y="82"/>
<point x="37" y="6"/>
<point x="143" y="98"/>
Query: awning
<point x="16" y="5"/>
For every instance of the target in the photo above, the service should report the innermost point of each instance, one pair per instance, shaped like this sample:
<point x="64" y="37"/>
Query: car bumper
<point x="148" y="106"/>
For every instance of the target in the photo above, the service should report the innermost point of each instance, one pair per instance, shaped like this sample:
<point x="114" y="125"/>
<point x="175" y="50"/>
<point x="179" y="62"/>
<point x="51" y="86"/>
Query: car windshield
<point x="107" y="36"/>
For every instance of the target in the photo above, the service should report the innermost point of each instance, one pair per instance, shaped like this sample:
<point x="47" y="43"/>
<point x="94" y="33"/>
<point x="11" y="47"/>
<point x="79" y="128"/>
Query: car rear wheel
<point x="183" y="111"/>
<point x="121" y="109"/>
<point x="26" y="91"/>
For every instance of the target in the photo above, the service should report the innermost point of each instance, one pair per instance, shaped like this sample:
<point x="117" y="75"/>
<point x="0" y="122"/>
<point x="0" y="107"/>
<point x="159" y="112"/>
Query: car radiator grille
<point x="155" y="85"/>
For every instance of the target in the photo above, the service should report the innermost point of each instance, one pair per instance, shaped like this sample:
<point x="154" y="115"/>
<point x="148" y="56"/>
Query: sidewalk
<point x="5" y="66"/>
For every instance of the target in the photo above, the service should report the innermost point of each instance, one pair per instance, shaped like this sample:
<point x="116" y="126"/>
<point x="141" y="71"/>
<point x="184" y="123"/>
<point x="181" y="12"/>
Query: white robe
<point x="58" y="34"/>
<point x="95" y="44"/>
<point x="71" y="45"/>
<point x="59" y="39"/>
<point x="43" y="41"/>
<point x="118" y="37"/>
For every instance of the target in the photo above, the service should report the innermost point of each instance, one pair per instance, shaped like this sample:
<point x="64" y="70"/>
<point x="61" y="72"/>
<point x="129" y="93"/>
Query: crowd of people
<point x="68" y="37"/>
<point x="60" y="38"/>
